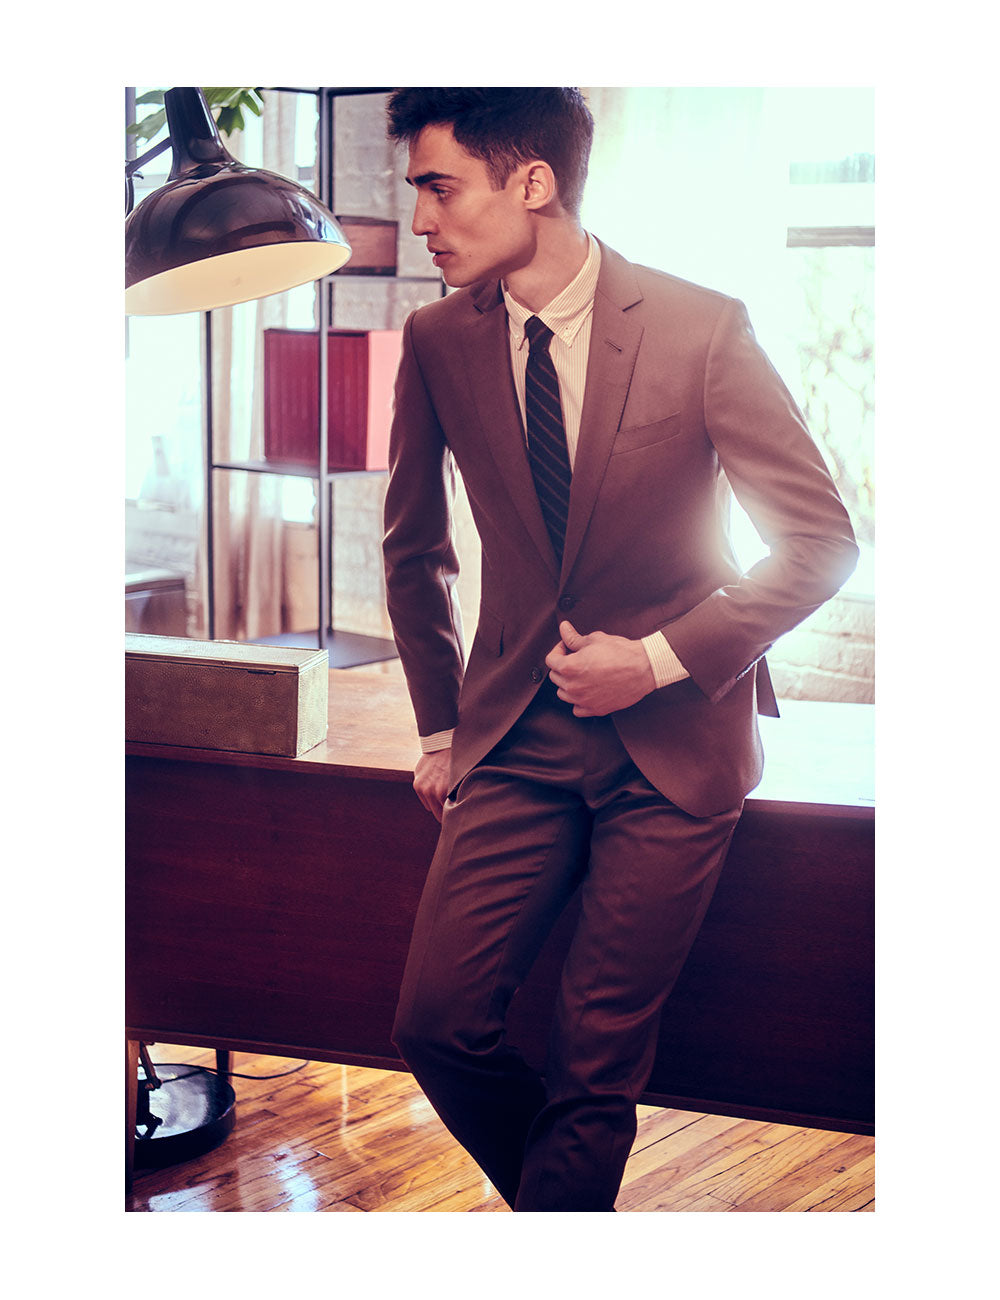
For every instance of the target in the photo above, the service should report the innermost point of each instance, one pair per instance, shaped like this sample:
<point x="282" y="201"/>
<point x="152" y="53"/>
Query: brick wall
<point x="830" y="656"/>
<point x="369" y="182"/>
<point x="358" y="576"/>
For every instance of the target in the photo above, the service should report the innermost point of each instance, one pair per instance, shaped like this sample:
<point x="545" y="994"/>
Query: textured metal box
<point x="254" y="699"/>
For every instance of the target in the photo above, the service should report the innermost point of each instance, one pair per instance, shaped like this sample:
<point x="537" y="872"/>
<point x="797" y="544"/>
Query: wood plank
<point x="670" y="1174"/>
<point x="850" y="1187"/>
<point x="348" y="1139"/>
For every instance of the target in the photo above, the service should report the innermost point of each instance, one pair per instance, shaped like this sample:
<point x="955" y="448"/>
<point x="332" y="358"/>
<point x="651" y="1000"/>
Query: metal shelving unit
<point x="346" y="649"/>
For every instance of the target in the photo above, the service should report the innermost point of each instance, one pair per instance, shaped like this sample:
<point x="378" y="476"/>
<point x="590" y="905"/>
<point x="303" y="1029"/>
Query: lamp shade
<point x="218" y="232"/>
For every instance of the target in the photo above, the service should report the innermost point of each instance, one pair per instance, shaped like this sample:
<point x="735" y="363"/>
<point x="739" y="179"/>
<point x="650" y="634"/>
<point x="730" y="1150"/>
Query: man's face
<point x="475" y="232"/>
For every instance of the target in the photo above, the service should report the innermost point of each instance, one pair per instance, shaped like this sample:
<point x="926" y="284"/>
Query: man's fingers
<point x="433" y="801"/>
<point x="571" y="641"/>
<point x="432" y="806"/>
<point x="571" y="638"/>
<point x="430" y="780"/>
<point x="556" y="656"/>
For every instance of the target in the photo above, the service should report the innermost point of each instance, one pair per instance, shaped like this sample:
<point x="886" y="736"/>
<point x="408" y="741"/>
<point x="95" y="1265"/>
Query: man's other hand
<point x="597" y="673"/>
<point x="430" y="780"/>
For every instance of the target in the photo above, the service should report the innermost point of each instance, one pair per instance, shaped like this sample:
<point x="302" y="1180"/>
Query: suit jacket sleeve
<point x="421" y="564"/>
<point x="779" y="477"/>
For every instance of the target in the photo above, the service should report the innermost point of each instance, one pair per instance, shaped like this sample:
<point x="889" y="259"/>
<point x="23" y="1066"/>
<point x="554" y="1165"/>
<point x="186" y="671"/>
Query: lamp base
<point x="187" y="1117"/>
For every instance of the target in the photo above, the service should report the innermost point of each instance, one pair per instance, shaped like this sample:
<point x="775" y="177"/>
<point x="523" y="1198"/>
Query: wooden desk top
<point x="818" y="757"/>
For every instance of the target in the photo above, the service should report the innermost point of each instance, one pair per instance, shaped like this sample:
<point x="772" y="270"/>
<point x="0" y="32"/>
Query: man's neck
<point x="561" y="252"/>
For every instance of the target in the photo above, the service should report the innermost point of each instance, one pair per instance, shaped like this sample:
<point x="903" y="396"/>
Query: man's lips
<point x="438" y="252"/>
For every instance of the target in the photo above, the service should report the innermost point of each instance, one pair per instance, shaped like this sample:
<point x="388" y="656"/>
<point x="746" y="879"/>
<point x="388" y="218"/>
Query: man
<point x="602" y="736"/>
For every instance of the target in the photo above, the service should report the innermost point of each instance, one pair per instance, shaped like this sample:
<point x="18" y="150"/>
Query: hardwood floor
<point x="342" y="1138"/>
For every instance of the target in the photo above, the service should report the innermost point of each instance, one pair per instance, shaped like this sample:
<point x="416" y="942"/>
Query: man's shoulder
<point x="674" y="286"/>
<point x="660" y="289"/>
<point x="674" y="294"/>
<point x="454" y="310"/>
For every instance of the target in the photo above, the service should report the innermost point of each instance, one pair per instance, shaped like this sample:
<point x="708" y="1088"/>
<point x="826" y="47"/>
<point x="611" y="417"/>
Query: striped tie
<point x="546" y="434"/>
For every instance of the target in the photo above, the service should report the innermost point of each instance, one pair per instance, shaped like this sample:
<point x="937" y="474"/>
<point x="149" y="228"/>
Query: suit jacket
<point x="680" y="404"/>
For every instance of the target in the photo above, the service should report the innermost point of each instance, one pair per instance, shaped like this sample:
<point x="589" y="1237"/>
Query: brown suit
<point x="679" y="400"/>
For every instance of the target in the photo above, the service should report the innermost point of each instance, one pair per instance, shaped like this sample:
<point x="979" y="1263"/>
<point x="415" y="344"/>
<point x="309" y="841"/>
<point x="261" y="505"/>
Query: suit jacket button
<point x="567" y="602"/>
<point x="536" y="674"/>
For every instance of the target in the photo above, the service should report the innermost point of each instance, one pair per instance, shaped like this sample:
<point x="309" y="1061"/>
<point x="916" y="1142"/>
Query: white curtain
<point x="249" y="574"/>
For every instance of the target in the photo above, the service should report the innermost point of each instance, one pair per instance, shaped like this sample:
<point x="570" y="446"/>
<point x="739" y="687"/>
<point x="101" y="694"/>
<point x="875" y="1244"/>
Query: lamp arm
<point x="132" y="167"/>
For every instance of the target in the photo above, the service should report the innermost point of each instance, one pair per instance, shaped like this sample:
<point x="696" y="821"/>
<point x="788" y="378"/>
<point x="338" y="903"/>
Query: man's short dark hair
<point x="505" y="126"/>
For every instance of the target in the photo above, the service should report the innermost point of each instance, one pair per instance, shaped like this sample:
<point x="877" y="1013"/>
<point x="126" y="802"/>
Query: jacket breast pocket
<point x="648" y="435"/>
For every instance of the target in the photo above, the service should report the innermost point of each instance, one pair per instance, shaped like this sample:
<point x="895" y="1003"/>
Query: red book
<point x="362" y="372"/>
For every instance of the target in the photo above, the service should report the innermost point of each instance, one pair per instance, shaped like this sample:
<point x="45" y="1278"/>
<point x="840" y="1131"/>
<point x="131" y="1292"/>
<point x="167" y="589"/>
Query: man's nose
<point x="422" y="222"/>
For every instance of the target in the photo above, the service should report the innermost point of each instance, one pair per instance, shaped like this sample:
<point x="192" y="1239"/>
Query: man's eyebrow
<point x="425" y="178"/>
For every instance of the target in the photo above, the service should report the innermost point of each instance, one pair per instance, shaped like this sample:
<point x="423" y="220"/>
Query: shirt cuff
<point x="433" y="744"/>
<point x="667" y="668"/>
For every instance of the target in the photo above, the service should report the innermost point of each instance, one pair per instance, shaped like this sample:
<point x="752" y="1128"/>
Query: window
<point x="820" y="322"/>
<point x="822" y="342"/>
<point x="767" y="194"/>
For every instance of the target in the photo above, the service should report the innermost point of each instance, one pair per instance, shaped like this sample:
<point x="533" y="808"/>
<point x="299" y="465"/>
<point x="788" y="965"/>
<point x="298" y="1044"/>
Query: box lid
<point x="223" y="654"/>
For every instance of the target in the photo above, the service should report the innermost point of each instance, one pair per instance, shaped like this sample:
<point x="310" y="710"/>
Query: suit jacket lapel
<point x="486" y="347"/>
<point x="614" y="346"/>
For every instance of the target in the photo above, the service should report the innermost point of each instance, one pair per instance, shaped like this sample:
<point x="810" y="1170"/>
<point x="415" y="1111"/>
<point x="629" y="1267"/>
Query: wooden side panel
<point x="773" y="1012"/>
<point x="267" y="907"/>
<point x="272" y="909"/>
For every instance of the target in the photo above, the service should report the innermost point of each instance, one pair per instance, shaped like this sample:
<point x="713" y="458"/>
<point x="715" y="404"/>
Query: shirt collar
<point x="567" y="311"/>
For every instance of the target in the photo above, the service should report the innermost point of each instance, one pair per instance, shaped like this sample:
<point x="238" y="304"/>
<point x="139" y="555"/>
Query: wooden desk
<point x="269" y="904"/>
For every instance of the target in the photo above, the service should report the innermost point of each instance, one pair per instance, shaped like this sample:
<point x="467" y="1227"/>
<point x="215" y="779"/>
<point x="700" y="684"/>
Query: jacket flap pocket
<point x="647" y="435"/>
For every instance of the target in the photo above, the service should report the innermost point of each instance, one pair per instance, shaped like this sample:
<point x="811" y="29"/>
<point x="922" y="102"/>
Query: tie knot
<point x="538" y="333"/>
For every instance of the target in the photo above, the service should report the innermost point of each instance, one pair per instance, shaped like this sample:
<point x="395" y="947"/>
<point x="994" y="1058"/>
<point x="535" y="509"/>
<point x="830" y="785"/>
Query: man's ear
<point x="540" y="187"/>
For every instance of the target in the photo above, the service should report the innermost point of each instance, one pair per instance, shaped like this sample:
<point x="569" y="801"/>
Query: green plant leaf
<point x="149" y="126"/>
<point x="227" y="121"/>
<point x="228" y="118"/>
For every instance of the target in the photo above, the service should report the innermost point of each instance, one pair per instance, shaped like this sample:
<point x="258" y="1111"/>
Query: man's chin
<point x="453" y="276"/>
<point x="460" y="274"/>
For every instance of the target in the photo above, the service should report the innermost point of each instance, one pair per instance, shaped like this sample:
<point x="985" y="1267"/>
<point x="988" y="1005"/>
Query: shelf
<point x="346" y="649"/>
<point x="289" y="468"/>
<point x="387" y="277"/>
<point x="269" y="467"/>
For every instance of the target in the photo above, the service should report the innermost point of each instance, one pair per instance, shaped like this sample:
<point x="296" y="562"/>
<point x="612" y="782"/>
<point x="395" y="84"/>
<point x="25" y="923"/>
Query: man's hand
<point x="598" y="673"/>
<point x="430" y="780"/>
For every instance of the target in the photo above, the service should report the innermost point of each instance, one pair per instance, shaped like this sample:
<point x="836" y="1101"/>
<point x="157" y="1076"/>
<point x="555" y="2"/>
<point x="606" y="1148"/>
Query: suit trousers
<point x="557" y="807"/>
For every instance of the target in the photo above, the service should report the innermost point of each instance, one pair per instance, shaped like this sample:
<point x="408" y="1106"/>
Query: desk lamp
<point x="218" y="232"/>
